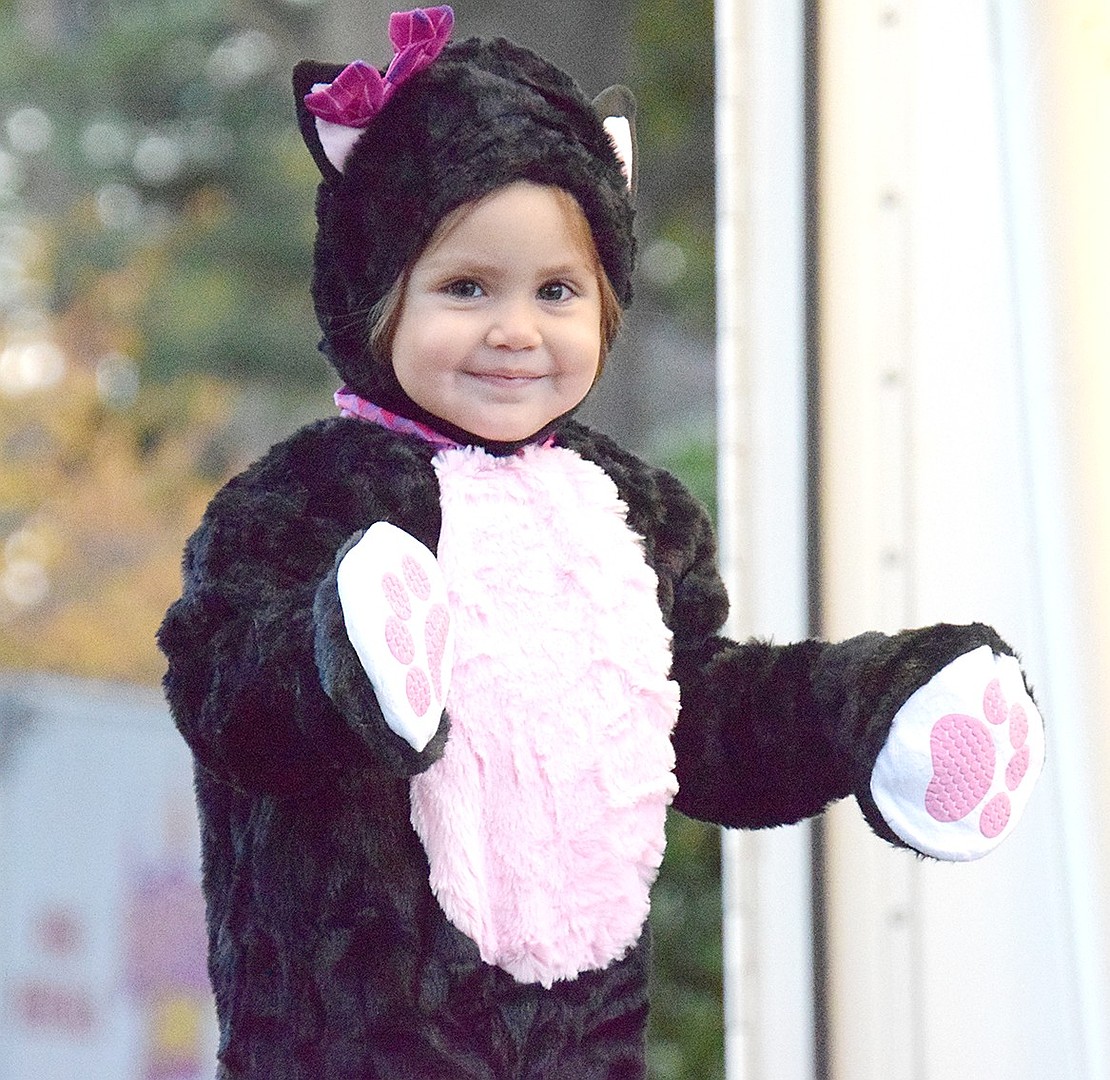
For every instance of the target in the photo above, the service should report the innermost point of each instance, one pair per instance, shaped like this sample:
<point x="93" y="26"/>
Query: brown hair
<point x="386" y="313"/>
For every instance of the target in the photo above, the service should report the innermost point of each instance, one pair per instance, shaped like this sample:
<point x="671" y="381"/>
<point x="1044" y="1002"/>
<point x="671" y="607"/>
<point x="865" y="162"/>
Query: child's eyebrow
<point x="570" y="268"/>
<point x="469" y="266"/>
<point x="460" y="264"/>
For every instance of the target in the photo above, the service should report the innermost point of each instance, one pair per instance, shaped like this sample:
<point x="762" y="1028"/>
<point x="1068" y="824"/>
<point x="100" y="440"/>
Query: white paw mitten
<point x="395" y="610"/>
<point x="961" y="759"/>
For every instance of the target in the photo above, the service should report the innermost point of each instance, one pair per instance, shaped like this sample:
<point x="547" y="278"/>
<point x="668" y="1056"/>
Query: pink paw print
<point x="965" y="760"/>
<point x="952" y="782"/>
<point x="409" y="595"/>
<point x="397" y="617"/>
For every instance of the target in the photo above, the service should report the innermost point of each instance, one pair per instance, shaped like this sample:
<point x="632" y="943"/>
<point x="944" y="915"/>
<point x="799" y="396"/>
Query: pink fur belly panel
<point x="544" y="820"/>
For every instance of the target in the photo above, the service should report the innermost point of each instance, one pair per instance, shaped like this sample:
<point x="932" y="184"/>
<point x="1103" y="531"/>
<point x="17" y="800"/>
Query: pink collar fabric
<point x="351" y="405"/>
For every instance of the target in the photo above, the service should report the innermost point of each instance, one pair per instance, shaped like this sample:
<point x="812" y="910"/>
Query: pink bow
<point x="359" y="91"/>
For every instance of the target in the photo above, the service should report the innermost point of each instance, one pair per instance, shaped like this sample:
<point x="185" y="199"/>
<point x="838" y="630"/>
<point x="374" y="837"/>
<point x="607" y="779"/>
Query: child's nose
<point x="514" y="326"/>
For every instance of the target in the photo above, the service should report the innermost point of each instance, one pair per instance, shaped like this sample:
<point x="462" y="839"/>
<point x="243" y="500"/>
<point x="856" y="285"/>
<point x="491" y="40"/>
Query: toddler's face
<point x="500" y="324"/>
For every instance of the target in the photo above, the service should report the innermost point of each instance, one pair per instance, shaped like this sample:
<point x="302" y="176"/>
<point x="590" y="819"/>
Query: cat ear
<point x="306" y="75"/>
<point x="617" y="109"/>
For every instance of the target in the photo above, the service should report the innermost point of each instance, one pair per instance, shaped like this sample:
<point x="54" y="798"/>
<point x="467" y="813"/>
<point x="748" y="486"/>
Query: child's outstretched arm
<point x="263" y="680"/>
<point x="933" y="731"/>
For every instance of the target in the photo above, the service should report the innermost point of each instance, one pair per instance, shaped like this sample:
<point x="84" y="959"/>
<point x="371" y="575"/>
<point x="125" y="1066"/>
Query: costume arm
<point x="770" y="734"/>
<point x="933" y="730"/>
<point x="262" y="680"/>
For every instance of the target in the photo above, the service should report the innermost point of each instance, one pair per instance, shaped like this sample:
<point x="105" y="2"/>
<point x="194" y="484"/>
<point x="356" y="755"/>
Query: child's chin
<point x="507" y="435"/>
<point x="508" y="432"/>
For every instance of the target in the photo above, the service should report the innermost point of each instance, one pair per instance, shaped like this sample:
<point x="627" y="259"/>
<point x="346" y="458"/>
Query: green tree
<point x="158" y="158"/>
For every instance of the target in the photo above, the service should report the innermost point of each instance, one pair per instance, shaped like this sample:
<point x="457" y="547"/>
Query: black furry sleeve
<point x="261" y="680"/>
<point x="771" y="734"/>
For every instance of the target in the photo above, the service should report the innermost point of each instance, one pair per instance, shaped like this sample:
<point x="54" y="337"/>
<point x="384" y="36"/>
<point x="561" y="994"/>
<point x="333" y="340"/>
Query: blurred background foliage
<point x="156" y="330"/>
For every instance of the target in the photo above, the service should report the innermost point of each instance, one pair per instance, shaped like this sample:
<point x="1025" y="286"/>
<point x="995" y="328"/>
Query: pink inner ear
<point x="337" y="141"/>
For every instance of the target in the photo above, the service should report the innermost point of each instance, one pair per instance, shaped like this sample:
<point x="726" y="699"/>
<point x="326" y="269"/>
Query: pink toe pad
<point x="436" y="626"/>
<point x="996" y="815"/>
<point x="396" y="595"/>
<point x="400" y="641"/>
<point x="1016" y="770"/>
<point x="418" y="690"/>
<point x="994" y="703"/>
<point x="1019" y="727"/>
<point x="415" y="578"/>
<point x="963" y="767"/>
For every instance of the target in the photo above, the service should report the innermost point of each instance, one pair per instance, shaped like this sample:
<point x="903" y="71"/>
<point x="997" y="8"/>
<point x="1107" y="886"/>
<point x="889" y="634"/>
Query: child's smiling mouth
<point x="506" y="377"/>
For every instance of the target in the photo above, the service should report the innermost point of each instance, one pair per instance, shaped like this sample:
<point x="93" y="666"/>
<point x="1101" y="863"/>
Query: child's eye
<point x="463" y="289"/>
<point x="555" y="291"/>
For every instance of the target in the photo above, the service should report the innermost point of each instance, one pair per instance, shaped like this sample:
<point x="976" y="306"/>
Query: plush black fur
<point x="329" y="955"/>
